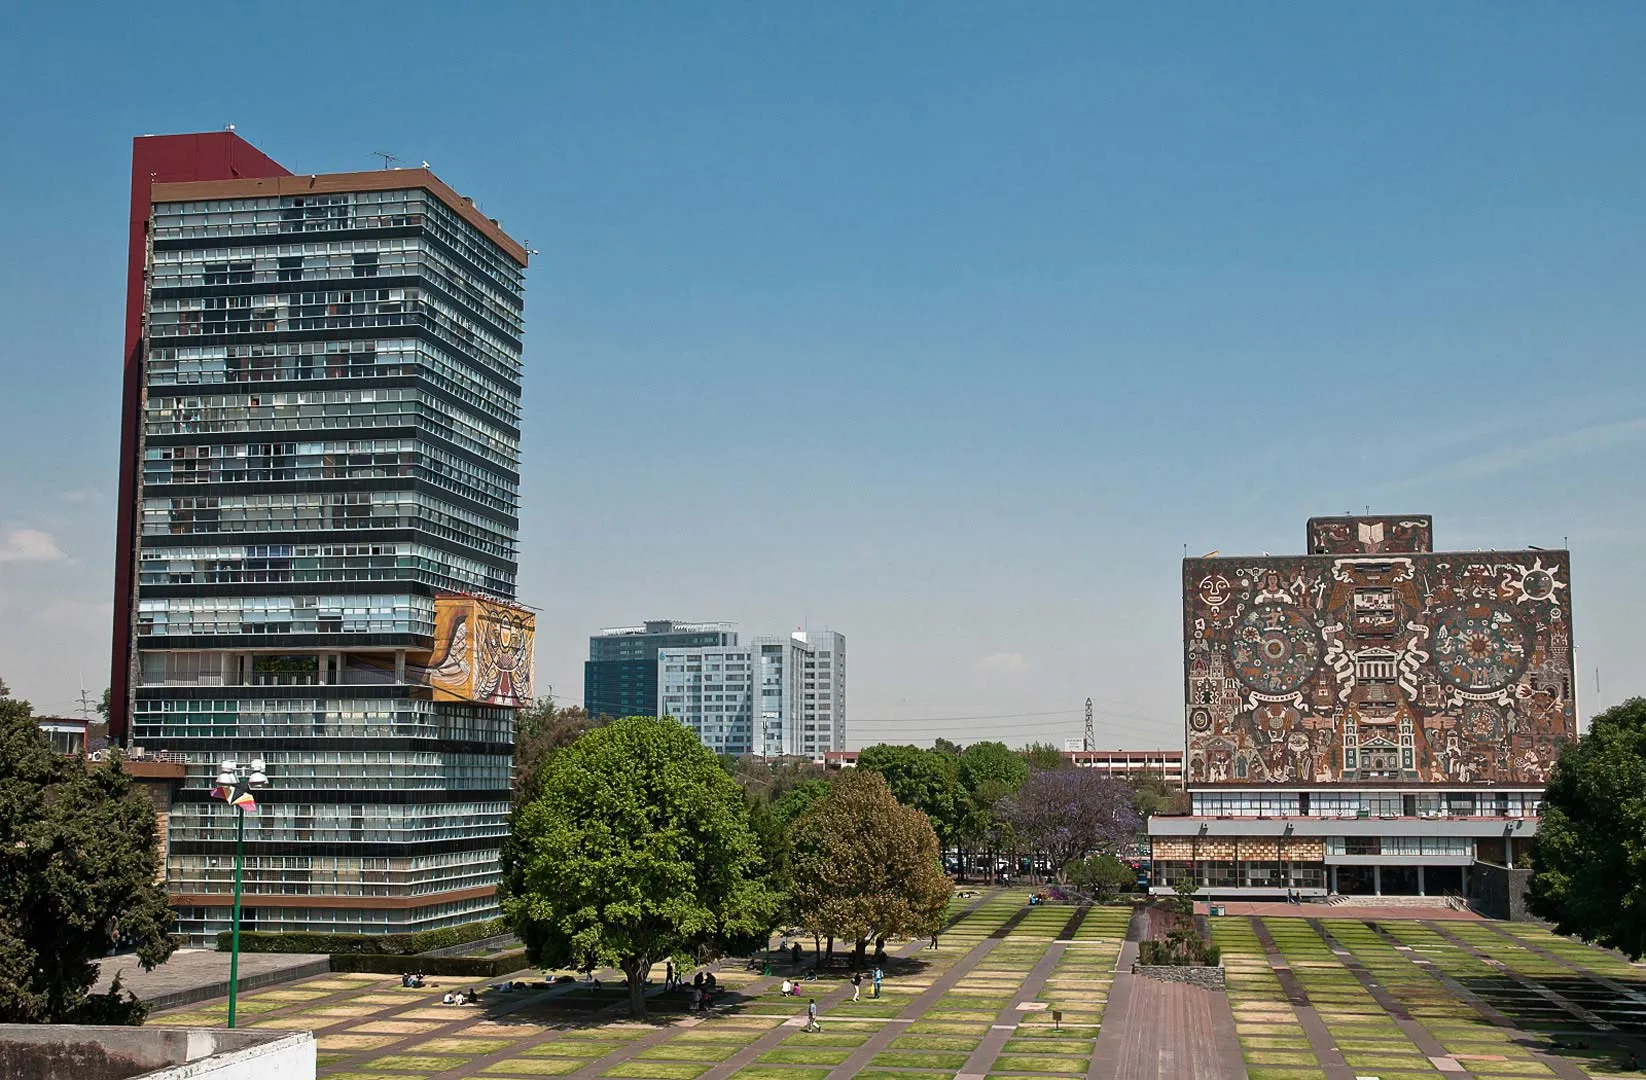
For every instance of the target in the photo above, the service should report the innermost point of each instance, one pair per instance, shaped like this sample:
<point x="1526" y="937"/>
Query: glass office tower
<point x="324" y="542"/>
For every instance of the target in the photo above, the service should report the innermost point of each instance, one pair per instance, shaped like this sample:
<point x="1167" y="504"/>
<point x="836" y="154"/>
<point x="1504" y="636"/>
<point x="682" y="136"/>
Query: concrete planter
<point x="1207" y="978"/>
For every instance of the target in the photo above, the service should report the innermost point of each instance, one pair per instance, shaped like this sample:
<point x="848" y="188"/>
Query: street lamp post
<point x="234" y="786"/>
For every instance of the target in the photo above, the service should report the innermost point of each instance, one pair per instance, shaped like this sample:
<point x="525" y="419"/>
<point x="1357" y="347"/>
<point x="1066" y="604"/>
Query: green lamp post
<point x="234" y="786"/>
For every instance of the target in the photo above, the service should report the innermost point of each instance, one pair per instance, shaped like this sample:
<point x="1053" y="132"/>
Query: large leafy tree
<point x="927" y="780"/>
<point x="1589" y="864"/>
<point x="636" y="847"/>
<point x="78" y="871"/>
<point x="865" y="865"/>
<point x="542" y="729"/>
<point x="1044" y="756"/>
<point x="1067" y="813"/>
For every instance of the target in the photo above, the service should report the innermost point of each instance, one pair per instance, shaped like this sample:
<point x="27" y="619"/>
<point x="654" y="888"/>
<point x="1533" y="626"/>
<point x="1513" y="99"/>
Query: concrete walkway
<point x="1156" y="1030"/>
<point x="192" y="975"/>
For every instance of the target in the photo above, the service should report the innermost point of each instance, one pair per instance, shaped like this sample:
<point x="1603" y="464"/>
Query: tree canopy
<point x="984" y="763"/>
<point x="1066" y="813"/>
<point x="637" y="847"/>
<point x="78" y="872"/>
<point x="865" y="865"/>
<point x="541" y="729"/>
<point x="1589" y="863"/>
<point x="1043" y="757"/>
<point x="927" y="780"/>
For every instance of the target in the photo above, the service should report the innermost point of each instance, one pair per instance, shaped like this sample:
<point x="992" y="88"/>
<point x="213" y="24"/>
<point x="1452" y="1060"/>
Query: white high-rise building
<point x="774" y="697"/>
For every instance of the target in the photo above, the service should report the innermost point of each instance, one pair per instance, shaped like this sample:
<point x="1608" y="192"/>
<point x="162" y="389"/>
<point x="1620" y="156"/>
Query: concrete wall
<point x="85" y="1052"/>
<point x="1500" y="892"/>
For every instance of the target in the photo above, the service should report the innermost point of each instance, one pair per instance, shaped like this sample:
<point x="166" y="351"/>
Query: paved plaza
<point x="1024" y="992"/>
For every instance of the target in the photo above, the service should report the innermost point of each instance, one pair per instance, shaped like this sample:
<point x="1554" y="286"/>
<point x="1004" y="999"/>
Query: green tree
<point x="1043" y="757"/>
<point x="797" y="800"/>
<point x="924" y="779"/>
<point x="1589" y="863"/>
<point x="866" y="865"/>
<point x="985" y="762"/>
<point x="945" y="747"/>
<point x="637" y="847"/>
<point x="540" y="730"/>
<point x="1151" y="794"/>
<point x="1105" y="875"/>
<point x="78" y="872"/>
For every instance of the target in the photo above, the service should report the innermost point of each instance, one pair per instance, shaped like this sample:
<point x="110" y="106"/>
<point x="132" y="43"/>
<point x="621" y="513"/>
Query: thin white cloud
<point x="79" y="495"/>
<point x="1009" y="663"/>
<point x="1583" y="440"/>
<point x="30" y="545"/>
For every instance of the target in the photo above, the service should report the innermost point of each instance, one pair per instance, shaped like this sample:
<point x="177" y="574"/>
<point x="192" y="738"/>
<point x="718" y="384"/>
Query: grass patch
<point x="656" y="1070"/>
<point x="827" y="1038"/>
<point x="919" y="1059"/>
<point x="762" y="1072"/>
<point x="935" y="1042"/>
<point x="822" y="1055"/>
<point x="1039" y="1063"/>
<point x="426" y="1063"/>
<point x="532" y="1066"/>
<point x="675" y="1050"/>
<point x="1048" y="1046"/>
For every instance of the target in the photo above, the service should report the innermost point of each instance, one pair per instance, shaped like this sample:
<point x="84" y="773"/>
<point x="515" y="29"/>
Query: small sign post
<point x="1057" y="1019"/>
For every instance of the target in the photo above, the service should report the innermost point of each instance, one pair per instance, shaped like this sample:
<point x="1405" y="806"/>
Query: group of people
<point x="876" y="976"/>
<point x="412" y="980"/>
<point x="702" y="990"/>
<point x="460" y="997"/>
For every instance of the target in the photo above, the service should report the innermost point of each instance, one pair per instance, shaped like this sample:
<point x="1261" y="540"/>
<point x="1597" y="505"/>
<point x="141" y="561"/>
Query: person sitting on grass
<point x="787" y="989"/>
<point x="448" y="999"/>
<point x="471" y="996"/>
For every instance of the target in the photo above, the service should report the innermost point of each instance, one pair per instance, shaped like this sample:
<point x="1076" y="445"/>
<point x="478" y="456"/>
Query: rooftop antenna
<point x="387" y="157"/>
<point x="1090" y="742"/>
<point x="85" y="704"/>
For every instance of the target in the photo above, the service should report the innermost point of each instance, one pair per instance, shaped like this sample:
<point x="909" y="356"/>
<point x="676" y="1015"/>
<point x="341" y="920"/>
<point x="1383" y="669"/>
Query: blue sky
<point x="950" y="326"/>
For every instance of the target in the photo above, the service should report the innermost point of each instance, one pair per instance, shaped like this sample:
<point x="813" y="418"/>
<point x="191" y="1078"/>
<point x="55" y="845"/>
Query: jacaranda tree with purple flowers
<point x="1065" y="814"/>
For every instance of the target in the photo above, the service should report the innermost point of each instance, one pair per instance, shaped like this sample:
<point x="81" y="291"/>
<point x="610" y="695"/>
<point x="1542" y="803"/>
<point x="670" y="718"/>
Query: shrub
<point x="364" y="944"/>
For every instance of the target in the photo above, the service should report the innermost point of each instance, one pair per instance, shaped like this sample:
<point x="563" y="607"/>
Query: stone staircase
<point x="1452" y="902"/>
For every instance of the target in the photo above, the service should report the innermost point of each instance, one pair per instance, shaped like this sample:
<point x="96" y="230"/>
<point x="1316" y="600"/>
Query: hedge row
<point x="300" y="941"/>
<point x="462" y="967"/>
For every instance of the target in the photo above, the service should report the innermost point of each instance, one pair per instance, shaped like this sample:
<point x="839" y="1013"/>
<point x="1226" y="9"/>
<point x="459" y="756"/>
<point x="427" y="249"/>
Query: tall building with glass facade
<point x="620" y="676"/>
<point x="320" y="483"/>
<point x="774" y="697"/>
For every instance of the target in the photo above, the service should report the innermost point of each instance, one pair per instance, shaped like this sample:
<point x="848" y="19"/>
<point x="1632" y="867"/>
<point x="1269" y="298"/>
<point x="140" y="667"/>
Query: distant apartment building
<point x="620" y="676"/>
<point x="773" y="697"/>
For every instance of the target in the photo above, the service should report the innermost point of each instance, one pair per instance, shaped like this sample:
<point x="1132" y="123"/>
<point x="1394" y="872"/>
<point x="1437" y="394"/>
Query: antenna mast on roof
<point x="1090" y="742"/>
<point x="387" y="157"/>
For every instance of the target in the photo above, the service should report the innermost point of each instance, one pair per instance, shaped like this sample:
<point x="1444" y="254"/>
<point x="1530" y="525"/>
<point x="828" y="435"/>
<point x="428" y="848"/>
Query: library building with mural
<point x="1374" y="717"/>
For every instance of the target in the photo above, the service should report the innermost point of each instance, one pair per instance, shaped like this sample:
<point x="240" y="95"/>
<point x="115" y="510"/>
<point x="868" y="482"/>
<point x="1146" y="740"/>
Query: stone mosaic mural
<point x="1416" y="667"/>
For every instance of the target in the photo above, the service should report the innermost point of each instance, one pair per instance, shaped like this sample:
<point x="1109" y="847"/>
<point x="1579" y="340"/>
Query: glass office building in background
<point x="620" y="676"/>
<point x="318" y="530"/>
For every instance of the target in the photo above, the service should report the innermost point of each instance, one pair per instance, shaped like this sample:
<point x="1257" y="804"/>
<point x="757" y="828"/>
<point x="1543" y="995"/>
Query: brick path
<point x="1156" y="1030"/>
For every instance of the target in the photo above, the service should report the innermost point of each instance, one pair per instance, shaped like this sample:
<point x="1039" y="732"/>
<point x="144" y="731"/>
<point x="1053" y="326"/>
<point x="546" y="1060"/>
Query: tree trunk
<point x="635" y="968"/>
<point x="857" y="953"/>
<point x="829" y="955"/>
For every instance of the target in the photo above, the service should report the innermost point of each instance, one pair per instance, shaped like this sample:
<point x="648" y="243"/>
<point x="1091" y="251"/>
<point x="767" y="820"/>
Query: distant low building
<point x="1120" y="763"/>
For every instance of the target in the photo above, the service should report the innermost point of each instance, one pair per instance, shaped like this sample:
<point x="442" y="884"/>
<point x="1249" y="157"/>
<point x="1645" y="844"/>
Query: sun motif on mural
<point x="1275" y="649"/>
<point x="1529" y="584"/>
<point x="1479" y="648"/>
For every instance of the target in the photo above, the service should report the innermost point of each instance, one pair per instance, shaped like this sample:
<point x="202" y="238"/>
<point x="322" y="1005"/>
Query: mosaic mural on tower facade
<point x="1412" y="667"/>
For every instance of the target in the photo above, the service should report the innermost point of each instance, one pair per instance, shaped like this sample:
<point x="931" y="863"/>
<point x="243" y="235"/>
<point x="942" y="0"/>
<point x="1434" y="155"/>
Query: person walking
<point x="857" y="984"/>
<point x="878" y="975"/>
<point x="811" y="1017"/>
<point x="668" y="975"/>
